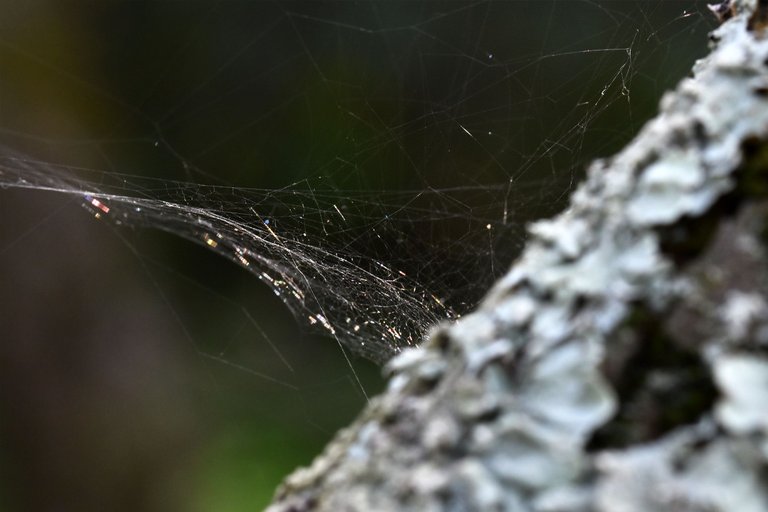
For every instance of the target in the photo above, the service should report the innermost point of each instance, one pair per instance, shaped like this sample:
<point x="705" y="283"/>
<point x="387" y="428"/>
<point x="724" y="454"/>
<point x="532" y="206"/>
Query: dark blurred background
<point x="141" y="372"/>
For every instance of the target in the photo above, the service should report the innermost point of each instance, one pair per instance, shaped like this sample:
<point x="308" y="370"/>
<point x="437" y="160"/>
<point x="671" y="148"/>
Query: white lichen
<point x="740" y="311"/>
<point x="743" y="381"/>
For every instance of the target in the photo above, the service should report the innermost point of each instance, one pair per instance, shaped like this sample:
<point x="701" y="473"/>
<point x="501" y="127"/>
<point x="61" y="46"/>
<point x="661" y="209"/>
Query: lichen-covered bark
<point x="622" y="364"/>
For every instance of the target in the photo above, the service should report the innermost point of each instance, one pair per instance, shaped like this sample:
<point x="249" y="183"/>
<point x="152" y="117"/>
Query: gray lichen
<point x="504" y="410"/>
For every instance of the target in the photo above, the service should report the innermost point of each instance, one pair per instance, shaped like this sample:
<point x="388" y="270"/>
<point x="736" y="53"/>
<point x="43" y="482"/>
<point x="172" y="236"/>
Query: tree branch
<point x="621" y="364"/>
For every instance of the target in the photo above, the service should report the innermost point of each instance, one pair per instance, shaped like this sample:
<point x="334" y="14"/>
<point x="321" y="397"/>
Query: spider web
<point x="373" y="166"/>
<point x="369" y="165"/>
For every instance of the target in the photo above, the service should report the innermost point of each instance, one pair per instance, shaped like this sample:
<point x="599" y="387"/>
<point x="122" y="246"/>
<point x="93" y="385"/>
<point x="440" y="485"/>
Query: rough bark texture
<point x="622" y="363"/>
